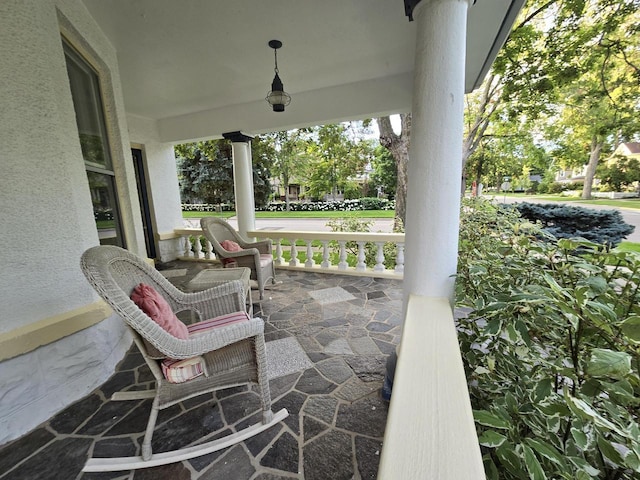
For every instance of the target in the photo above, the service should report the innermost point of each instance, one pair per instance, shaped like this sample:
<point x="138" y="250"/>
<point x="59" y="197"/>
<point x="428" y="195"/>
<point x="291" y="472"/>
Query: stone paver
<point x="342" y="329"/>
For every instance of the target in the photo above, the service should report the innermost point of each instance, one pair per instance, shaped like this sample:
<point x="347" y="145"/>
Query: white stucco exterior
<point x="46" y="214"/>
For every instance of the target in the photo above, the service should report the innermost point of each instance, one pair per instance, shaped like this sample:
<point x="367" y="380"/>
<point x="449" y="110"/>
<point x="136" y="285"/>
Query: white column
<point x="435" y="166"/>
<point x="243" y="181"/>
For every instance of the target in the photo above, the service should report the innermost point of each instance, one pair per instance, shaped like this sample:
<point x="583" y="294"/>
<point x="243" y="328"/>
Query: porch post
<point x="243" y="181"/>
<point x="435" y="163"/>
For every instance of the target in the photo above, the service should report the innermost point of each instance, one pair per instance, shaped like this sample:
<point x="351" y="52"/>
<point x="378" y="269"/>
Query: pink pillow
<point x="230" y="246"/>
<point x="157" y="308"/>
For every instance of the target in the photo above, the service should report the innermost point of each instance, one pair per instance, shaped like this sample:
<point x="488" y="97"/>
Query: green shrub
<point x="353" y="224"/>
<point x="564" y="221"/>
<point x="551" y="349"/>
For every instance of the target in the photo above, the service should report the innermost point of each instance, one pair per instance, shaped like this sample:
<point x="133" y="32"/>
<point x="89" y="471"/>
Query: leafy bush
<point x="564" y="221"/>
<point x="556" y="187"/>
<point x="352" y="224"/>
<point x="551" y="349"/>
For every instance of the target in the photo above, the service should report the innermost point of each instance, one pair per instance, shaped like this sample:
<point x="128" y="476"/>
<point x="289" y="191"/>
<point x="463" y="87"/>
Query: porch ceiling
<point x="203" y="67"/>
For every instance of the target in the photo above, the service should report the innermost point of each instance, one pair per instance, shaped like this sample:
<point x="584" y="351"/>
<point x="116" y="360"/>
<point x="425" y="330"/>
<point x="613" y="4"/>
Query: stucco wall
<point x="46" y="213"/>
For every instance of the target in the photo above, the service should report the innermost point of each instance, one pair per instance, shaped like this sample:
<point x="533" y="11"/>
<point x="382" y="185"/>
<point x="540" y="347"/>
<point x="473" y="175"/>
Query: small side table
<point x="214" y="277"/>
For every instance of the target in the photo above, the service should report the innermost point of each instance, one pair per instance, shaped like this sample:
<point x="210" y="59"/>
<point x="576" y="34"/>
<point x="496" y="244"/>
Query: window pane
<point x="103" y="196"/>
<point x="88" y="106"/>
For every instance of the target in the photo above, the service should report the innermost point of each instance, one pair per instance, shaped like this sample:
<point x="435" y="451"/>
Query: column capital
<point x="409" y="6"/>
<point x="237" y="137"/>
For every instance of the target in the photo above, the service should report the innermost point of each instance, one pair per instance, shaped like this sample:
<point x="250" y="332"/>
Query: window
<point x="90" y="118"/>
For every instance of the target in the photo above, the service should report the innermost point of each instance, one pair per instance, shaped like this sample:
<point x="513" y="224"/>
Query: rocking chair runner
<point x="258" y="256"/>
<point x="233" y="355"/>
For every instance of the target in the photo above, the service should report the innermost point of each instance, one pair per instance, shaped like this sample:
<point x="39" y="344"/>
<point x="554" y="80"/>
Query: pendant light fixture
<point x="277" y="97"/>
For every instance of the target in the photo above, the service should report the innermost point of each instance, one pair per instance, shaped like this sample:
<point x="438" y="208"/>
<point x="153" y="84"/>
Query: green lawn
<point x="328" y="214"/>
<point x="620" y="203"/>
<point x="628" y="247"/>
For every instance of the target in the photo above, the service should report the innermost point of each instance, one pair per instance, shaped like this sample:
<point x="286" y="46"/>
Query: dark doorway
<point x="143" y="196"/>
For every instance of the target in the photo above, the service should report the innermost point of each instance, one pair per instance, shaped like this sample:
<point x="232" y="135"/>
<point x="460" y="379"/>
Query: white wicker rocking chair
<point x="233" y="355"/>
<point x="258" y="256"/>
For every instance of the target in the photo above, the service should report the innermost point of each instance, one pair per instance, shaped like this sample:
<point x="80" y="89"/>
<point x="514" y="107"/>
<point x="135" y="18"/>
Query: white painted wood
<point x="361" y="266"/>
<point x="133" y="463"/>
<point x="430" y="432"/>
<point x="279" y="260"/>
<point x="133" y="395"/>
<point x="309" y="263"/>
<point x="342" y="264"/>
<point x="293" y="261"/>
<point x="379" y="266"/>
<point x="435" y="164"/>
<point x="400" y="259"/>
<point x="325" y="254"/>
<point x="243" y="184"/>
<point x="324" y="237"/>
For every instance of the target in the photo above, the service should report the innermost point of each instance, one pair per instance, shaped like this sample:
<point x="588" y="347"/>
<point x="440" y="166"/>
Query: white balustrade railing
<point x="318" y="244"/>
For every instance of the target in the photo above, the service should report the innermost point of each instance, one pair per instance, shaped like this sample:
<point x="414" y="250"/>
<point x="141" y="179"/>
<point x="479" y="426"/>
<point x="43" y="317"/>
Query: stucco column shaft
<point x="435" y="168"/>
<point x="243" y="181"/>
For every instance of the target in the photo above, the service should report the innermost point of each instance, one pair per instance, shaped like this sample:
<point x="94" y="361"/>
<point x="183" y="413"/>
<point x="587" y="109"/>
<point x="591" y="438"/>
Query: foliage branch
<point x="551" y="348"/>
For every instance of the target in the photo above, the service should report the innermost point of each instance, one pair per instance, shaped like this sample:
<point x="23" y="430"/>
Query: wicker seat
<point x="233" y="354"/>
<point x="258" y="256"/>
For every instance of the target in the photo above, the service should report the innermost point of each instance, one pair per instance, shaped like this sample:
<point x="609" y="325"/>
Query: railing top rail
<point x="430" y="431"/>
<point x="316" y="235"/>
<point x="305" y="235"/>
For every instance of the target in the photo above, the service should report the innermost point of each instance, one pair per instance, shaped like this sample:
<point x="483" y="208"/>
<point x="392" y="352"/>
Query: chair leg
<point x="148" y="434"/>
<point x="263" y="379"/>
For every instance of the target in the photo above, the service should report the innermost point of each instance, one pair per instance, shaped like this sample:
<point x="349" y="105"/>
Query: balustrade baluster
<point x="208" y="248"/>
<point x="186" y="245"/>
<point x="325" y="254"/>
<point x="342" y="264"/>
<point x="309" y="263"/>
<point x="197" y="247"/>
<point x="294" y="254"/>
<point x="379" y="266"/>
<point x="400" y="258"/>
<point x="279" y="260"/>
<point x="361" y="266"/>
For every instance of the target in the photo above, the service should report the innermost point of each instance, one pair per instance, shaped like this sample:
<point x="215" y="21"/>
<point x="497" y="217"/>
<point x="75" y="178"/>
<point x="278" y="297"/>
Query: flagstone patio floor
<point x="346" y="325"/>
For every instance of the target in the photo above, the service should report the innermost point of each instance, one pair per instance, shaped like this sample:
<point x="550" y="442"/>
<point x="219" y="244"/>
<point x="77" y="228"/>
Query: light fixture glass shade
<point x="277" y="97"/>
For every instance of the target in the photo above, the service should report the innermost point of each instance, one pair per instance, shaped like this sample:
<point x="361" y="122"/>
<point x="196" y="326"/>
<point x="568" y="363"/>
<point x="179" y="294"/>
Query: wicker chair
<point x="233" y="354"/>
<point x="258" y="256"/>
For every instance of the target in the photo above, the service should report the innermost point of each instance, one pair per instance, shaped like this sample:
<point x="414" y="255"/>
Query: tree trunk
<point x="594" y="157"/>
<point x="285" y="182"/>
<point x="398" y="145"/>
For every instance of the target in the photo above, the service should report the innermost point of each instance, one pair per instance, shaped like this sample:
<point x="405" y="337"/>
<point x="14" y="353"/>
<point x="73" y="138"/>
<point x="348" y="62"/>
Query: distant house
<point x="571" y="175"/>
<point x="628" y="149"/>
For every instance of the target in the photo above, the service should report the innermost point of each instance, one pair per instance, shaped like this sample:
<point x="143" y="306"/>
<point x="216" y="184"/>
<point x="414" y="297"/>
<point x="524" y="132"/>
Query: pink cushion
<point x="230" y="246"/>
<point x="266" y="259"/>
<point x="221" y="321"/>
<point x="157" y="308"/>
<point x="179" y="371"/>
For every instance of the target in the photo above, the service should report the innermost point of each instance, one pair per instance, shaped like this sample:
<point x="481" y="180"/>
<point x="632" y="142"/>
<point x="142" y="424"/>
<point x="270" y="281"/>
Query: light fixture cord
<point x="275" y="54"/>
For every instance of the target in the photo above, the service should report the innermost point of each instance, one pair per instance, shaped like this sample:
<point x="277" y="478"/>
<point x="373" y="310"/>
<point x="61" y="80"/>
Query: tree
<point x="205" y="172"/>
<point x="262" y="158"/>
<point x="619" y="172"/>
<point x="290" y="157"/>
<point x="398" y="145"/>
<point x="336" y="154"/>
<point x="384" y="175"/>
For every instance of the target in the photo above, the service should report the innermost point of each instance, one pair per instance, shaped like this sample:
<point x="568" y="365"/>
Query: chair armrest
<point x="226" y="298"/>
<point x="263" y="246"/>
<point x="218" y="338"/>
